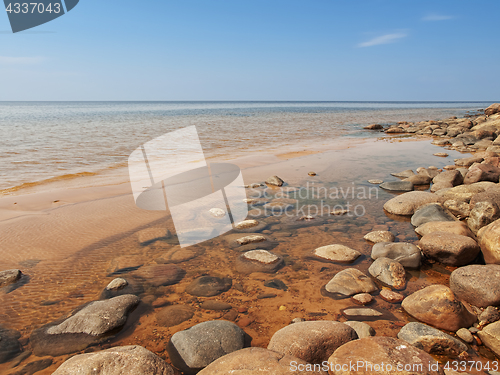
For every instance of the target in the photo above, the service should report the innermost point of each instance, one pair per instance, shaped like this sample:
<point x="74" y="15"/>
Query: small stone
<point x="362" y="298"/>
<point x="9" y="276"/>
<point x="441" y="154"/>
<point x="276" y="284"/>
<point x="258" y="261"/>
<point x="360" y="313"/>
<point x="407" y="254"/>
<point x="245" y="224"/>
<point x="380" y="236"/>
<point x="312" y="173"/>
<point x="171" y="316"/>
<point x="262" y="256"/>
<point x="215" y="305"/>
<point x="397" y="186"/>
<point x="389" y="272"/>
<point x="391" y="296"/>
<point x="297" y="320"/>
<point x="266" y="295"/>
<point x="376" y="182"/>
<point x="274" y="181"/>
<point x="465" y="335"/>
<point x="373" y="127"/>
<point x="117" y="284"/>
<point x="349" y="282"/>
<point x="282" y="308"/>
<point x="405" y="174"/>
<point x="337" y="253"/>
<point x="339" y="212"/>
<point x="217" y="212"/>
<point x="208" y="286"/>
<point x="489" y="315"/>
<point x="250" y="239"/>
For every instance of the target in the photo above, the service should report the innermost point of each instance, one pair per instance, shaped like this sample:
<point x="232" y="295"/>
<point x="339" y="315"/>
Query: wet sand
<point x="66" y="237"/>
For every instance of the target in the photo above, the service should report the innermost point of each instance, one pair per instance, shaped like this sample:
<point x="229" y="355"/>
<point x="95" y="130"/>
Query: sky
<point x="362" y="50"/>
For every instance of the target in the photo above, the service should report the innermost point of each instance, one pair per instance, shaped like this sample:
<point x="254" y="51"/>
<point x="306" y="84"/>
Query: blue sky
<point x="257" y="50"/>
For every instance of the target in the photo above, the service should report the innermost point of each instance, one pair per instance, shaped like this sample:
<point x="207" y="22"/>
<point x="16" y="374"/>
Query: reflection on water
<point x="57" y="287"/>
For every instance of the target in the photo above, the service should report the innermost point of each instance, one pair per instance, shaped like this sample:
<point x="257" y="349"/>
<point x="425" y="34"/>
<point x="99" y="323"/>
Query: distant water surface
<point x="44" y="140"/>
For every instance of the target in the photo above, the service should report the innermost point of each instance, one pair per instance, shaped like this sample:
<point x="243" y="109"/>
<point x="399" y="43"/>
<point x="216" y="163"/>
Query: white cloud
<point x="384" y="39"/>
<point x="436" y="17"/>
<point x="21" y="60"/>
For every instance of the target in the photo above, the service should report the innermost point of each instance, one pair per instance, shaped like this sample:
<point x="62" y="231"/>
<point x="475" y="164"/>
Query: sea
<point x="45" y="141"/>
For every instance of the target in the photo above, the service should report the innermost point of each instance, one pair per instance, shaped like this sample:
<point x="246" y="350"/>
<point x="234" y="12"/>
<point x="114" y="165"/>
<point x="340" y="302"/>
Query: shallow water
<point x="54" y="140"/>
<point x="56" y="286"/>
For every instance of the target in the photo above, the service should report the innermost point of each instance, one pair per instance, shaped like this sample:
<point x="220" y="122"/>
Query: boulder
<point x="459" y="209"/>
<point x="259" y="361"/>
<point x="450" y="178"/>
<point x="362" y="329"/>
<point x="489" y="315"/>
<point x="9" y="277"/>
<point x="173" y="315"/>
<point x="431" y="340"/>
<point x="490" y="336"/>
<point x="467" y="162"/>
<point x="407" y="254"/>
<point x="397" y="185"/>
<point x="258" y="261"/>
<point x="482" y="172"/>
<point x="438" y="306"/>
<point x="381" y="355"/>
<point x="380" y="236"/>
<point x="208" y="286"/>
<point x="419" y="179"/>
<point x="431" y="212"/>
<point x="336" y="253"/>
<point x="482" y="214"/>
<point x="449" y="248"/>
<point x="9" y="344"/>
<point x="349" y="282"/>
<point x="391" y="296"/>
<point x="389" y="272"/>
<point x="492" y="109"/>
<point x="477" y="284"/>
<point x="86" y="325"/>
<point x="159" y="274"/>
<point x="275" y="181"/>
<point x="196" y="347"/>
<point x="312" y="341"/>
<point x="408" y="203"/>
<point x="452" y="227"/>
<point x="489" y="240"/>
<point x="464" y="193"/>
<point x="132" y="359"/>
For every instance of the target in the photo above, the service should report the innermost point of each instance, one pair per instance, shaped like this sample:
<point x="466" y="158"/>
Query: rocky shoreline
<point x="458" y="224"/>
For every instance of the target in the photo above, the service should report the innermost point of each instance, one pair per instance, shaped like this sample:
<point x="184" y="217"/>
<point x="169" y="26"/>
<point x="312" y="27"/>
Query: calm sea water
<point x="43" y="140"/>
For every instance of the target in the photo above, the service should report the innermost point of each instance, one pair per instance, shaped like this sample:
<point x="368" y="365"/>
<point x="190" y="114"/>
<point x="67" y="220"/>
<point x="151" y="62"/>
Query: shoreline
<point x="109" y="219"/>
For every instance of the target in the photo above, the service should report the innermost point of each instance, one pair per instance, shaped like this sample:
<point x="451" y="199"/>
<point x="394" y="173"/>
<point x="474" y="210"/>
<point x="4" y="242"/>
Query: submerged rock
<point x="173" y="315"/>
<point x="448" y="248"/>
<point x="132" y="359"/>
<point x="408" y="203"/>
<point x="389" y="272"/>
<point x="258" y="361"/>
<point x="349" y="282"/>
<point x="208" y="286"/>
<point x="431" y="340"/>
<point x="149" y="235"/>
<point x="259" y="261"/>
<point x="405" y="253"/>
<point x="371" y="352"/>
<point x="85" y="326"/>
<point x="397" y="185"/>
<point x="160" y="274"/>
<point x="437" y="305"/>
<point x="477" y="284"/>
<point x="380" y="236"/>
<point x="336" y="253"/>
<point x="404" y="174"/>
<point x="312" y="341"/>
<point x="431" y="212"/>
<point x="9" y="344"/>
<point x="196" y="347"/>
